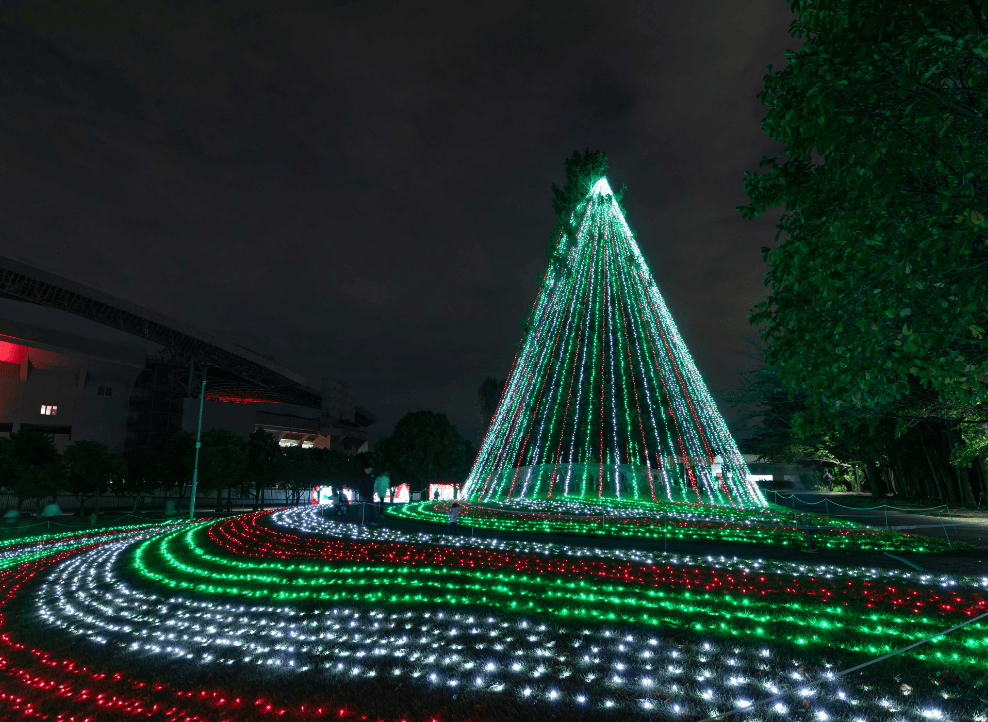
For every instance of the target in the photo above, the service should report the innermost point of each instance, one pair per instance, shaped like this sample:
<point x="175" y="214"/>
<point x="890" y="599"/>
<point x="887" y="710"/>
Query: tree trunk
<point x="229" y="500"/>
<point x="933" y="471"/>
<point x="885" y="476"/>
<point x="928" y="487"/>
<point x="871" y="471"/>
<point x="964" y="479"/>
<point x="949" y="480"/>
<point x="262" y="498"/>
<point x="952" y="489"/>
<point x="983" y="466"/>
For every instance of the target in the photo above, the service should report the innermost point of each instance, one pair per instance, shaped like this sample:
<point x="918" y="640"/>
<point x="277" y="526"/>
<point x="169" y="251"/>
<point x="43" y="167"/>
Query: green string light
<point x="603" y="400"/>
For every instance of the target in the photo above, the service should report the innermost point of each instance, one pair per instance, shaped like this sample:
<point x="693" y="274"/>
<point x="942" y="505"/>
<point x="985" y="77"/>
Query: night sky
<point x="363" y="189"/>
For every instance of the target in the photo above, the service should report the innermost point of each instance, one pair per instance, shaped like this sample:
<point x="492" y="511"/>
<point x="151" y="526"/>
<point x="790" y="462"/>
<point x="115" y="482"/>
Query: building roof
<point x="236" y="373"/>
<point x="71" y="345"/>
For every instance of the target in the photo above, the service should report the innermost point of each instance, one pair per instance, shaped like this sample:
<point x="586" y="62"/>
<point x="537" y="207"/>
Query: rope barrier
<point x="907" y="562"/>
<point x="844" y="673"/>
<point x="942" y="507"/>
<point x="40" y="523"/>
<point x="24" y="530"/>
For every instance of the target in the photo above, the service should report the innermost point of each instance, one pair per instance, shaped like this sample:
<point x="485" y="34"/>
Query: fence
<point x="871" y="514"/>
<point x="111" y="503"/>
<point x="9" y="533"/>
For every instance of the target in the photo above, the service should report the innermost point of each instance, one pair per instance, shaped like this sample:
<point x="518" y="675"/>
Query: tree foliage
<point x="878" y="300"/>
<point x="177" y="461"/>
<point x="920" y="458"/>
<point x="488" y="397"/>
<point x="423" y="446"/>
<point x="874" y="328"/>
<point x="582" y="171"/>
<point x="300" y="470"/>
<point x="92" y="468"/>
<point x="31" y="466"/>
<point x="144" y="477"/>
<point x="7" y="470"/>
<point x="772" y="409"/>
<point x="334" y="468"/>
<point x="264" y="463"/>
<point x="222" y="461"/>
<point x="264" y="457"/>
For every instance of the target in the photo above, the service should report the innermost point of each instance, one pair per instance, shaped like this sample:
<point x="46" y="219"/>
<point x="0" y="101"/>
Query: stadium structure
<point x="79" y="363"/>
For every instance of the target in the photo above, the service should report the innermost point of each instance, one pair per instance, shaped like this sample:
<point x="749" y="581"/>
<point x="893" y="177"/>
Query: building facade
<point x="77" y="363"/>
<point x="68" y="387"/>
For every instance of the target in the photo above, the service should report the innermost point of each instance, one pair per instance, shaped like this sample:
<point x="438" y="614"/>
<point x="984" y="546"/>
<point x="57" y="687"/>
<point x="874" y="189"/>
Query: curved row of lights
<point x="262" y="600"/>
<point x="678" y="522"/>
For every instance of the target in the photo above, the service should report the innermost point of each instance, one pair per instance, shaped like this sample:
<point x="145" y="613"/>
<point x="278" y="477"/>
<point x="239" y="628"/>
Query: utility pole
<point x="195" y="468"/>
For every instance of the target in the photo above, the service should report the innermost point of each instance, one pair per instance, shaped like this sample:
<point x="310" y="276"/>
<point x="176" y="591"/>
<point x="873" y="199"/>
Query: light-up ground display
<point x="680" y="522"/>
<point x="290" y="615"/>
<point x="326" y="495"/>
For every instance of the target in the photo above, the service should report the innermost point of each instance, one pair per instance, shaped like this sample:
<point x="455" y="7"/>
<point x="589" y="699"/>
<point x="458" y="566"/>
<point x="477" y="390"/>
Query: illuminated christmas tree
<point x="603" y="399"/>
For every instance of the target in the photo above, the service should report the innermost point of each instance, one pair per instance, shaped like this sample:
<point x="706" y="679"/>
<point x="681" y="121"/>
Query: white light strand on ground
<point x="309" y="520"/>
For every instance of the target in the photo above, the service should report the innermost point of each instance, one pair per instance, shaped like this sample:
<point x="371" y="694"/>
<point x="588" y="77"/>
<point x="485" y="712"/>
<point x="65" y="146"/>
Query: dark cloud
<point x="362" y="189"/>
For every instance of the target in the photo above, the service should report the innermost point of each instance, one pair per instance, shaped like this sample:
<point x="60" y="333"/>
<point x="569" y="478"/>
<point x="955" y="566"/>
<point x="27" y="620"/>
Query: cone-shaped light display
<point x="603" y="399"/>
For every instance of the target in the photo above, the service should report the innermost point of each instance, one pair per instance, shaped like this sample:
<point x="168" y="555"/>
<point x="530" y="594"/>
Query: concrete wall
<point x="31" y="378"/>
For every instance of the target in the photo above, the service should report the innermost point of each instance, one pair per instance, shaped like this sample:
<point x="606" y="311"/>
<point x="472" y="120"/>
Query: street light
<point x="195" y="468"/>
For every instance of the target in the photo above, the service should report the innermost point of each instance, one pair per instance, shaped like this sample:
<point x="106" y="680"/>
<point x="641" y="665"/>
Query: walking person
<point x="454" y="511"/>
<point x="828" y="479"/>
<point x="381" y="485"/>
<point x="342" y="503"/>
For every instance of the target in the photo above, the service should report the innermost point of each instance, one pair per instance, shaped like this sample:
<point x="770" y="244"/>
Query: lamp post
<point x="195" y="468"/>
